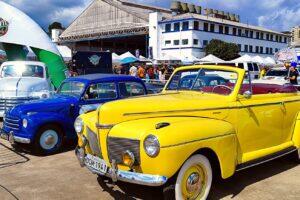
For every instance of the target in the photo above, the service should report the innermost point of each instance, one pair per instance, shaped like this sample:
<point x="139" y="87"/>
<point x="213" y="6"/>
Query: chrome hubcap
<point x="194" y="184"/>
<point x="49" y="139"/>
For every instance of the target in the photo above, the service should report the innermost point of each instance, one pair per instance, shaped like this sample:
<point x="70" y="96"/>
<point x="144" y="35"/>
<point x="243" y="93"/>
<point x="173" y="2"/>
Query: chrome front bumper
<point x="12" y="139"/>
<point x="125" y="176"/>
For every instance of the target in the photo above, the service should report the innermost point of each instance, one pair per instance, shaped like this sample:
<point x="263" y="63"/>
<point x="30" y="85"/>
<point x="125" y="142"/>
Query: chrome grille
<point x="11" y="123"/>
<point x="8" y="103"/>
<point x="93" y="142"/>
<point x="117" y="146"/>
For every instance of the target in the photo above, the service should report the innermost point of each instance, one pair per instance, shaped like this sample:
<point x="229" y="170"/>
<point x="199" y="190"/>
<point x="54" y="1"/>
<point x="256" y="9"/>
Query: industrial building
<point x="181" y="32"/>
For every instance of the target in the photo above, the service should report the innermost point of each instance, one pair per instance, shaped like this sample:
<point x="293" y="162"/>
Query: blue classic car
<point x="45" y="124"/>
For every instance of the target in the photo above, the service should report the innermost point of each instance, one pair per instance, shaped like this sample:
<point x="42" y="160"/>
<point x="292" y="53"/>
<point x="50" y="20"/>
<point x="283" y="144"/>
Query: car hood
<point x="21" y="87"/>
<point x="163" y="105"/>
<point x="56" y="103"/>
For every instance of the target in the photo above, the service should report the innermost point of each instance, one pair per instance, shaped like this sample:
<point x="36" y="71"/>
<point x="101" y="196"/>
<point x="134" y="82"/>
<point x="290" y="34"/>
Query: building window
<point x="185" y="42"/>
<point x="257" y="49"/>
<point x="233" y="31"/>
<point x="226" y="30"/>
<point x="196" y="25"/>
<point x="247" y="33"/>
<point x="276" y="50"/>
<point x="267" y="50"/>
<point x="261" y="36"/>
<point x="168" y="27"/>
<point x="212" y="28"/>
<point x="185" y="26"/>
<point x="251" y="34"/>
<point x="271" y="50"/>
<point x="240" y="47"/>
<point x="205" y="43"/>
<point x="176" y="42"/>
<point x="195" y="42"/>
<point x="285" y="40"/>
<point x="240" y="32"/>
<point x="205" y="27"/>
<point x="261" y="50"/>
<point x="267" y="36"/>
<point x="271" y="37"/>
<point x="167" y="42"/>
<point x="251" y="49"/>
<point x="221" y="29"/>
<point x="176" y="26"/>
<point x="280" y="39"/>
<point x="277" y="38"/>
<point x="246" y="48"/>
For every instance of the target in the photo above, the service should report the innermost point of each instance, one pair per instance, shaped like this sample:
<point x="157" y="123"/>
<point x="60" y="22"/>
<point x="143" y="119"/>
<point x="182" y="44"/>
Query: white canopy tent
<point x="169" y="57"/>
<point x="211" y="58"/>
<point x="65" y="52"/>
<point x="126" y="55"/>
<point x="258" y="59"/>
<point x="269" y="61"/>
<point x="244" y="58"/>
<point x="116" y="58"/>
<point x="144" y="59"/>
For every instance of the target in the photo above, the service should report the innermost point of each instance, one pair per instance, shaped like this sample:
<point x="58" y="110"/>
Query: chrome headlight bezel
<point x="151" y="146"/>
<point x="78" y="125"/>
<point x="25" y="123"/>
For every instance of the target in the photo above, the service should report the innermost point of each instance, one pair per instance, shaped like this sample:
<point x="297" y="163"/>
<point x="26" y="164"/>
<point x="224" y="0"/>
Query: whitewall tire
<point x="194" y="179"/>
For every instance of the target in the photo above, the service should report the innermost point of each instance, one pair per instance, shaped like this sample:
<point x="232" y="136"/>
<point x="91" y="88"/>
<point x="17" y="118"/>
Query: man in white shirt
<point x="133" y="71"/>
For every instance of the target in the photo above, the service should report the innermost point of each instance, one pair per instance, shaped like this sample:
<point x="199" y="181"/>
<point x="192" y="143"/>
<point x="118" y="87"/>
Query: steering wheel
<point x="222" y="86"/>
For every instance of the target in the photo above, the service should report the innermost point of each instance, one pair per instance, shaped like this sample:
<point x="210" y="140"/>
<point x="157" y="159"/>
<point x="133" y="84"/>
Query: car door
<point x="260" y="123"/>
<point x="97" y="94"/>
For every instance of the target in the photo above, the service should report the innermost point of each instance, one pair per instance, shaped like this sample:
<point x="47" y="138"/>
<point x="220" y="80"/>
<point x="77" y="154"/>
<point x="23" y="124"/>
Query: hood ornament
<point x="162" y="125"/>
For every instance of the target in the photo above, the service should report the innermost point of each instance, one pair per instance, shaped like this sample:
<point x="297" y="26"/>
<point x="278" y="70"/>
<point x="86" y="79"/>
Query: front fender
<point x="181" y="139"/>
<point x="36" y="121"/>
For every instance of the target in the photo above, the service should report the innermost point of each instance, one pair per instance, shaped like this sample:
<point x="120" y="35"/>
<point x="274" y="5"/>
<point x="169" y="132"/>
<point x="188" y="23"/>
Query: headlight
<point x="25" y="123"/>
<point x="78" y="125"/>
<point x="151" y="146"/>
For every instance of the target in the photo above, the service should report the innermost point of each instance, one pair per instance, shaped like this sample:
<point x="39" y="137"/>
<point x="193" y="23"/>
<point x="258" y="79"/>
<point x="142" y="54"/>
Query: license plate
<point x="96" y="163"/>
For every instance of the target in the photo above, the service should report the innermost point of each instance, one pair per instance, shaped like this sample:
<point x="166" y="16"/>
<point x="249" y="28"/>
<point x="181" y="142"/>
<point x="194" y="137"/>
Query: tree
<point x="223" y="50"/>
<point x="55" y="25"/>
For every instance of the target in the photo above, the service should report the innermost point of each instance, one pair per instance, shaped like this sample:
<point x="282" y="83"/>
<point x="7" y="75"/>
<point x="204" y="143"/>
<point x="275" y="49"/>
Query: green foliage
<point x="223" y="50"/>
<point x="55" y="25"/>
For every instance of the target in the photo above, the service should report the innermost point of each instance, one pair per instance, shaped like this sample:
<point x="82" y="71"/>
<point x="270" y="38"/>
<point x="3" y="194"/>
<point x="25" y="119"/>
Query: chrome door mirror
<point x="247" y="94"/>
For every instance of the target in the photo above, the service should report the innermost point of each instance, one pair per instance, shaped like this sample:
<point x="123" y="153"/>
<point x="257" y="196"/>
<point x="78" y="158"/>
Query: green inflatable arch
<point x="18" y="31"/>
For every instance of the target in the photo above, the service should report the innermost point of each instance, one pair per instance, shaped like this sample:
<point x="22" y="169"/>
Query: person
<point x="293" y="75"/>
<point x="141" y="72"/>
<point x="150" y="72"/>
<point x="133" y="71"/>
<point x="263" y="72"/>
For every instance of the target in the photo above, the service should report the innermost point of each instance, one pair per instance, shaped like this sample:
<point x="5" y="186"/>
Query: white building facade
<point x="185" y="36"/>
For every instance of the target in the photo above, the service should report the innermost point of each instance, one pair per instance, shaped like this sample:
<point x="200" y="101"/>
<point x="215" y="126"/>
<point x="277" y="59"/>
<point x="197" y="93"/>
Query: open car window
<point x="204" y="80"/>
<point x="131" y="89"/>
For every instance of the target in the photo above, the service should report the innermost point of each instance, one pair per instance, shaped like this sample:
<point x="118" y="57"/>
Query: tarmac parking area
<point x="24" y="176"/>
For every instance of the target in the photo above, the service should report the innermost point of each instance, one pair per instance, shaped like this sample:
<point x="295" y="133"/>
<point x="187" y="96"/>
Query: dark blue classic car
<point x="46" y="124"/>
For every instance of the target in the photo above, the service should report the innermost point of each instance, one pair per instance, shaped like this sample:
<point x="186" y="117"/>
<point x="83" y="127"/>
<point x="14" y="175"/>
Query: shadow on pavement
<point x="129" y="191"/>
<point x="10" y="157"/>
<point x="236" y="184"/>
<point x="220" y="189"/>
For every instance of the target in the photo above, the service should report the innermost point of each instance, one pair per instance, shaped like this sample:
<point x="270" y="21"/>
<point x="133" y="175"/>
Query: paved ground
<point x="24" y="176"/>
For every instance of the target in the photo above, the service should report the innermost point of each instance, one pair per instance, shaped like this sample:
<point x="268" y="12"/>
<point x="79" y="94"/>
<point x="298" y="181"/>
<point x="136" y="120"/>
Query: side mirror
<point x="247" y="94"/>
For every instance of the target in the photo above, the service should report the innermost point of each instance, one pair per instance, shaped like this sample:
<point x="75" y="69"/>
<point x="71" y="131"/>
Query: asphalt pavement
<point x="25" y="176"/>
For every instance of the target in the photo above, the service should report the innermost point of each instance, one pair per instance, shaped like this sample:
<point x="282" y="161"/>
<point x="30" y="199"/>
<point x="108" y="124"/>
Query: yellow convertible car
<point x="209" y="121"/>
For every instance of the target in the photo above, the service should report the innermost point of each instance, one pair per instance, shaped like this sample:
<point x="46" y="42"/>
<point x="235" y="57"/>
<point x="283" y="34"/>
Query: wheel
<point x="48" y="140"/>
<point x="194" y="179"/>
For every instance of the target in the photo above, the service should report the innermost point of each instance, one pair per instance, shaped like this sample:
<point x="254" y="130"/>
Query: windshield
<point x="283" y="73"/>
<point x="21" y="70"/>
<point x="204" y="80"/>
<point x="71" y="88"/>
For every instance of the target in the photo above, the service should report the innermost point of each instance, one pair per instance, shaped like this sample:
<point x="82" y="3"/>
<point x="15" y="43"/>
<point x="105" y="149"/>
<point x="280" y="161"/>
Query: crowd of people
<point x="146" y="72"/>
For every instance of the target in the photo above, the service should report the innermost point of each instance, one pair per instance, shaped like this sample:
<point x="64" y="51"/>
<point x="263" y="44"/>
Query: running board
<point x="265" y="159"/>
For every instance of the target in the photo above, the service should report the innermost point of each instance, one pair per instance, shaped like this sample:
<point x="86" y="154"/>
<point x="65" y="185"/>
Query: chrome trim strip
<point x="267" y="160"/>
<point x="211" y="109"/>
<point x="22" y="140"/>
<point x="104" y="126"/>
<point x="192" y="141"/>
<point x="14" y="128"/>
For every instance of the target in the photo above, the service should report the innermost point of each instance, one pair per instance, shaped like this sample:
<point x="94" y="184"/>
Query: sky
<point x="279" y="15"/>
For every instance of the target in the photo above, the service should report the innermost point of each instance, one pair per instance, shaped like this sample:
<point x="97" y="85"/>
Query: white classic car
<point x="22" y="81"/>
